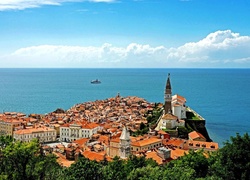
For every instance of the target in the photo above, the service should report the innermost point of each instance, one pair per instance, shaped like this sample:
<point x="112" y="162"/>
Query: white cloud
<point x="25" y="4"/>
<point x="242" y="60"/>
<point x="106" y="55"/>
<point x="217" y="46"/>
<point x="218" y="49"/>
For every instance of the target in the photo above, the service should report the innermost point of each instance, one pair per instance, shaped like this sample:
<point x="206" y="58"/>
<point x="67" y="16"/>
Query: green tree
<point x="5" y="141"/>
<point x="233" y="160"/>
<point x="146" y="173"/>
<point x="142" y="126"/>
<point x="18" y="157"/>
<point x="46" y="167"/>
<point x="115" y="169"/>
<point x="134" y="162"/>
<point x="22" y="160"/>
<point x="83" y="169"/>
<point x="194" y="161"/>
<point x="152" y="118"/>
<point x="179" y="172"/>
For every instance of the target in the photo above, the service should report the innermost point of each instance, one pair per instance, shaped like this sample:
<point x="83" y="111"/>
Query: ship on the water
<point x="96" y="81"/>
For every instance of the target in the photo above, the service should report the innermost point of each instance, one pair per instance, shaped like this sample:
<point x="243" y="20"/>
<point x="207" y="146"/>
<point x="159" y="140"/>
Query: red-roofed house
<point x="206" y="146"/>
<point x="81" y="142"/>
<point x="95" y="156"/>
<point x="196" y="136"/>
<point x="43" y="133"/>
<point x="145" y="144"/>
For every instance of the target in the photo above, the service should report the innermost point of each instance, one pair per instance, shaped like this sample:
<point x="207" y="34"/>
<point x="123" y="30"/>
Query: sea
<point x="221" y="96"/>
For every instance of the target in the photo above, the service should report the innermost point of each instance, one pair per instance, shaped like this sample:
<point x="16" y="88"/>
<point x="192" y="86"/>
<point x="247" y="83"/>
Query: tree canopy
<point x="23" y="160"/>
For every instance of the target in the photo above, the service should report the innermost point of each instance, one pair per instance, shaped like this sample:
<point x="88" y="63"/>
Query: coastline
<point x="207" y="90"/>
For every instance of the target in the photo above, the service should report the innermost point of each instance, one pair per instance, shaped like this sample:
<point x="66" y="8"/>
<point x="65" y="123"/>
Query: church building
<point x="124" y="143"/>
<point x="174" y="105"/>
<point x="174" y="109"/>
<point x="120" y="147"/>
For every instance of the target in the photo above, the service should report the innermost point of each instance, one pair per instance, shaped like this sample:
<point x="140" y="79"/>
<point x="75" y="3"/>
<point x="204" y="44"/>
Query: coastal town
<point x="104" y="129"/>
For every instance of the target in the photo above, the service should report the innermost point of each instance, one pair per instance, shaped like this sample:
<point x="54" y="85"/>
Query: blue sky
<point x="125" y="33"/>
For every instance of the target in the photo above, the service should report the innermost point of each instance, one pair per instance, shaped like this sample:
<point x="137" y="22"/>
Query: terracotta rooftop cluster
<point x="115" y="109"/>
<point x="13" y="121"/>
<point x="98" y="146"/>
<point x="110" y="113"/>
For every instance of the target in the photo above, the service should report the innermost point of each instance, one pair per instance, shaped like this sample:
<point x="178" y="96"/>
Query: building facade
<point x="145" y="144"/>
<point x="74" y="131"/>
<point x="44" y="134"/>
<point x="7" y="126"/>
<point x="170" y="121"/>
<point x="179" y="106"/>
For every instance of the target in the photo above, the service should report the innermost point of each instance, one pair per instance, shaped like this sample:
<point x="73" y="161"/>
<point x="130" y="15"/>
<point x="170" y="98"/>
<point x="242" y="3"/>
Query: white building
<point x="169" y="121"/>
<point x="178" y="106"/>
<point x="44" y="134"/>
<point x="74" y="131"/>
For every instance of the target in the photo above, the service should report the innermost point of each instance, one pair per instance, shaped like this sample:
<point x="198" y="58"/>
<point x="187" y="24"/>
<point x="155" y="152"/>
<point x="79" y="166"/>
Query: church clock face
<point x="167" y="96"/>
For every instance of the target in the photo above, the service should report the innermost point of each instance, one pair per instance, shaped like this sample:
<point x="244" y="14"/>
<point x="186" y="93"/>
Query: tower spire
<point x="124" y="143"/>
<point x="125" y="134"/>
<point x="168" y="96"/>
<point x="168" y="85"/>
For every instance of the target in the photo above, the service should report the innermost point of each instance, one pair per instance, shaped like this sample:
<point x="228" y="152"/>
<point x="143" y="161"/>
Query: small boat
<point x="95" y="81"/>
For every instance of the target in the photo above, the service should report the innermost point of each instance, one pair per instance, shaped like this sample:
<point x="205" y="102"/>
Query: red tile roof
<point x="153" y="155"/>
<point x="146" y="142"/>
<point x="194" y="134"/>
<point x="81" y="141"/>
<point x="180" y="97"/>
<point x="95" y="156"/>
<point x="174" y="142"/>
<point x="176" y="153"/>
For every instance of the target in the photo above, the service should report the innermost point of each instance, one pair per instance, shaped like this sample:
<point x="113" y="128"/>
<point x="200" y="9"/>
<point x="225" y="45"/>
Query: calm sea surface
<point x="221" y="96"/>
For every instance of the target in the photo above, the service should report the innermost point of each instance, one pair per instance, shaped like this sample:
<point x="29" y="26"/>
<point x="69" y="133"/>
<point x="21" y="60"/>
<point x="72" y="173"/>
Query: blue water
<point x="221" y="96"/>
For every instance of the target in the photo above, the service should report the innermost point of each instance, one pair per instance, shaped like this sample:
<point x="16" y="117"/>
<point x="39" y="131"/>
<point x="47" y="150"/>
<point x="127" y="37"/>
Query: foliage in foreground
<point x="26" y="161"/>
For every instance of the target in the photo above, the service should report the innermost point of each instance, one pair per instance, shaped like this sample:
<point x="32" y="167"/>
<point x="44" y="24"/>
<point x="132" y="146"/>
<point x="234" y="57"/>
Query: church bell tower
<point x="168" y="96"/>
<point x="124" y="143"/>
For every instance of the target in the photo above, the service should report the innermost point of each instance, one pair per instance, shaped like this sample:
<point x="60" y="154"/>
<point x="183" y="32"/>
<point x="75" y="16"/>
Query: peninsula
<point x="117" y="126"/>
